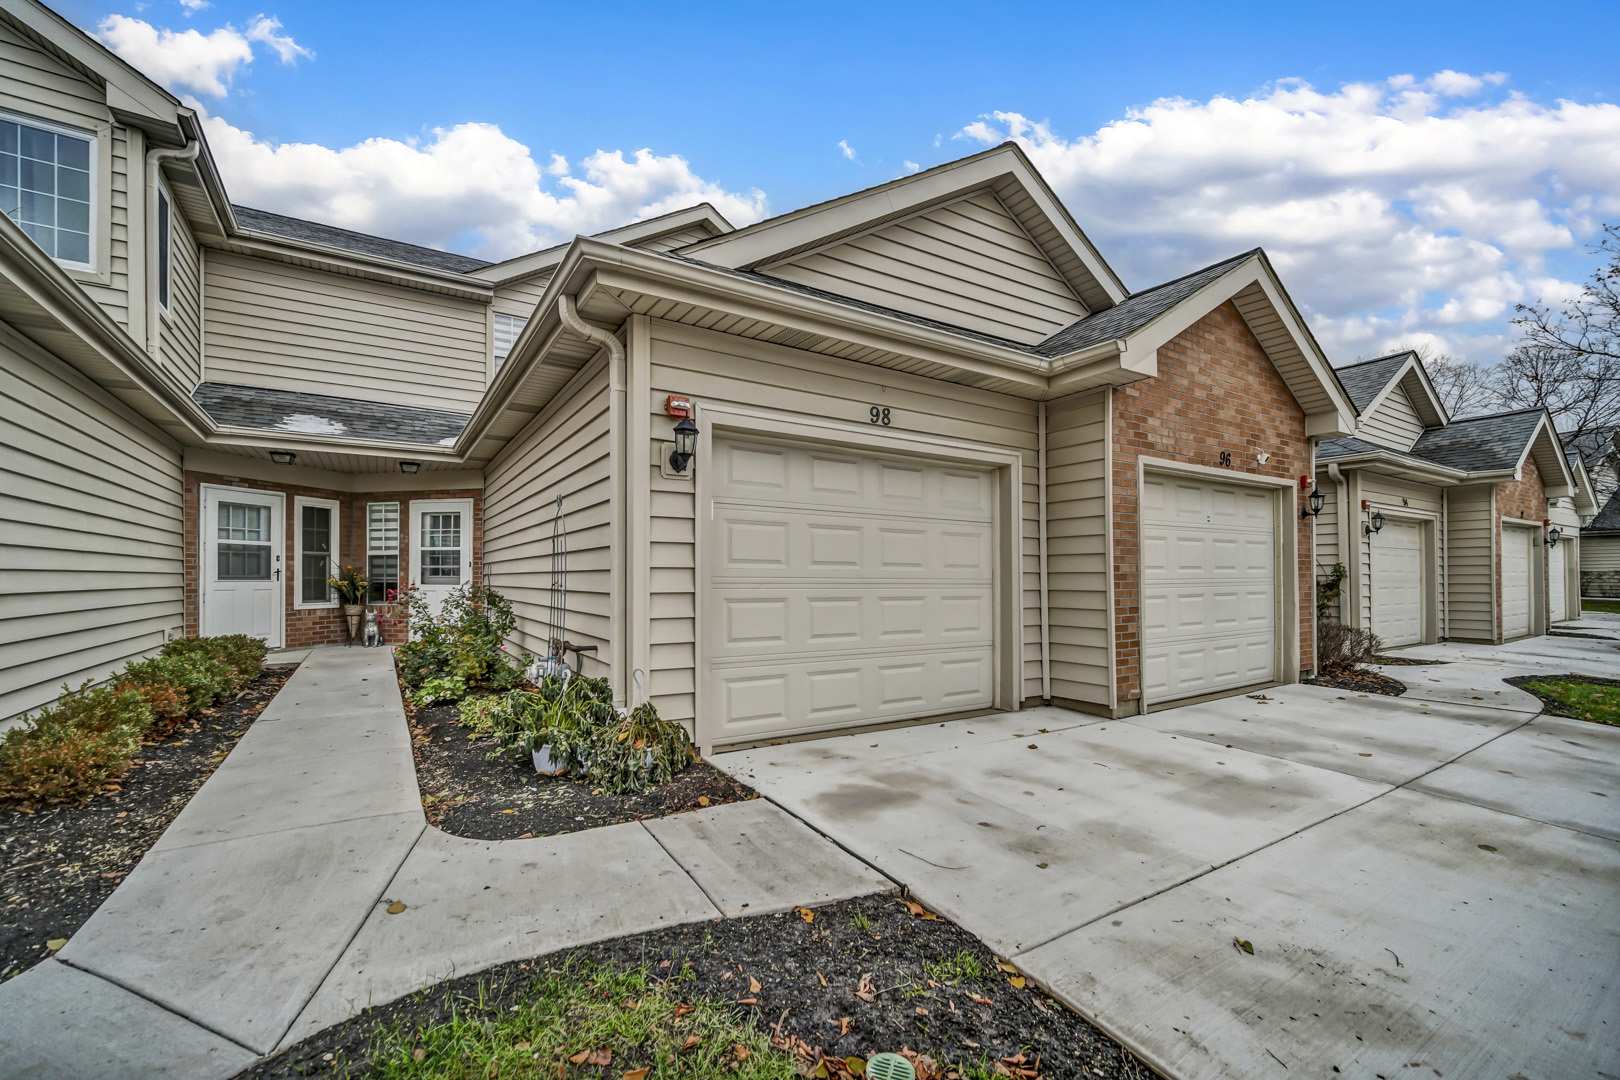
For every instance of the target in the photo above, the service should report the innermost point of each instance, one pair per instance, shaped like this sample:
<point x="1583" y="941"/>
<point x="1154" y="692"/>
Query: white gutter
<point x="1046" y="614"/>
<point x="569" y="314"/>
<point x="154" y="160"/>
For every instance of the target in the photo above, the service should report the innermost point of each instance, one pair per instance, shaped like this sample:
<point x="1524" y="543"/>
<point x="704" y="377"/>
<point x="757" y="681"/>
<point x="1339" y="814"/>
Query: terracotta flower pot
<point x="351" y="615"/>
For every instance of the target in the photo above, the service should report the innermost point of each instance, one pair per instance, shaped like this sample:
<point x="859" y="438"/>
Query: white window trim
<point x="399" y="541"/>
<point x="94" y="139"/>
<point x="165" y="306"/>
<point x="299" y="502"/>
<point x="495" y="362"/>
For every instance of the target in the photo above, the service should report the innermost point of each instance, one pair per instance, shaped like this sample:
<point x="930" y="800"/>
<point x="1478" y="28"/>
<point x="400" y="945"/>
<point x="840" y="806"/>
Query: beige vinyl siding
<point x="1385" y="493"/>
<point x="1394" y="423"/>
<point x="91" y="531"/>
<point x="1077" y="546"/>
<point x="565" y="450"/>
<point x="1471" y="590"/>
<point x="181" y="328"/>
<point x="33" y="83"/>
<point x="289" y="327"/>
<point x="715" y="368"/>
<point x="1600" y="553"/>
<point x="675" y="240"/>
<point x="519" y="297"/>
<point x="1326" y="533"/>
<point x="968" y="264"/>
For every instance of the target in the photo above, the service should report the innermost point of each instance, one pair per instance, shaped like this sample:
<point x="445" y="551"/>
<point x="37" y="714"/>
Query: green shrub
<point x="447" y="688"/>
<point x="166" y="699"/>
<point x="66" y="752"/>
<point x="482" y="715"/>
<point x="465" y="639"/>
<point x="204" y="678"/>
<point x="240" y="658"/>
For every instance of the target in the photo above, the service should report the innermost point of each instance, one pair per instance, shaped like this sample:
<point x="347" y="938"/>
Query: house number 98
<point x="879" y="416"/>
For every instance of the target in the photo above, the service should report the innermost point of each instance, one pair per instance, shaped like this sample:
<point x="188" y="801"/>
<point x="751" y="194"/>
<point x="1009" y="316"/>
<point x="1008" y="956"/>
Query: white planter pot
<point x="543" y="762"/>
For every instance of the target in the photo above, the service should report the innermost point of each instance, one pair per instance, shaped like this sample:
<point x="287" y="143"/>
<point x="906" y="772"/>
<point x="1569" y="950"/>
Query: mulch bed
<point x="59" y="863"/>
<point x="1406" y="661"/>
<point x="1361" y="681"/>
<point x="506" y="799"/>
<point x="1552" y="704"/>
<point x="970" y="1020"/>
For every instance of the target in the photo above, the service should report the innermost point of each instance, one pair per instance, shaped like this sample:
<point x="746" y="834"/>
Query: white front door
<point x="1557" y="586"/>
<point x="243" y="544"/>
<point x="441" y="547"/>
<point x="1397" y="583"/>
<point x="1516" y="592"/>
<point x="1209" y="587"/>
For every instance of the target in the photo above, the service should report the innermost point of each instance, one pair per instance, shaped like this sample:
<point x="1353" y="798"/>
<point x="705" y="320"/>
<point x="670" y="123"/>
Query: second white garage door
<point x="1516" y="593"/>
<point x="1557" y="582"/>
<point x="1209" y="587"/>
<point x="1397" y="583"/>
<point x="845" y="588"/>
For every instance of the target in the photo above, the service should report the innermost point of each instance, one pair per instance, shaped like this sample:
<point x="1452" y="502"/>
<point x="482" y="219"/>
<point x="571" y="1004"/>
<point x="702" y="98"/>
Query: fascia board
<point x="523" y="266"/>
<point x="410" y="276"/>
<point x="1545" y="431"/>
<point x="382" y="448"/>
<point x="1442" y="475"/>
<point x="1412" y="364"/>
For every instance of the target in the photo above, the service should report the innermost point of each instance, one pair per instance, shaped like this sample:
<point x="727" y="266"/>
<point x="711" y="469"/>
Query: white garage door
<point x="1557" y="586"/>
<point x="1516" y="593"/>
<point x="845" y="588"/>
<point x="1397" y="583"/>
<point x="1209" y="590"/>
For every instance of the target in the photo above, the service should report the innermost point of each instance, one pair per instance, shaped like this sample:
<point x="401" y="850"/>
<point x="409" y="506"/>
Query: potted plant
<point x="350" y="586"/>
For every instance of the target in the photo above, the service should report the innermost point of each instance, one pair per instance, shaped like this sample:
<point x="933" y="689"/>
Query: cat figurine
<point x="371" y="636"/>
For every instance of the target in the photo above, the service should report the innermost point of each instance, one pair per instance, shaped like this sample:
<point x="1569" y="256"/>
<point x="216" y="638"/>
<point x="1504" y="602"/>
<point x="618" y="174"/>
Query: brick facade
<point x="1526" y="500"/>
<point x="305" y="627"/>
<point x="1216" y="391"/>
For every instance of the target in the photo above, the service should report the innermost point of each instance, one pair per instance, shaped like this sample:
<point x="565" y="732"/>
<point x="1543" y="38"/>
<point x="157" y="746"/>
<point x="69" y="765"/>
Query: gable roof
<point x="1482" y="443"/>
<point x="1136" y="310"/>
<point x="645" y="233"/>
<point x="313" y="232"/>
<point x="1592" y="446"/>
<point x="1608" y="518"/>
<point x="1366" y="379"/>
<point x="1003" y="170"/>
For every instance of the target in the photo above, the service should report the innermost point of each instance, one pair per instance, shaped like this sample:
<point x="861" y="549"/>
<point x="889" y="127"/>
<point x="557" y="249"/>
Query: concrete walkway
<point x="260" y="916"/>
<point x="1429" y="882"/>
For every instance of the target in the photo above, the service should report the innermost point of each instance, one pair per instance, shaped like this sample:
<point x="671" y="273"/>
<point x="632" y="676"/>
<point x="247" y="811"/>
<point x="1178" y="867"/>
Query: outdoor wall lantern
<point x="686" y="434"/>
<point x="282" y="457"/>
<point x="1316" y="500"/>
<point x="1375" y="525"/>
<point x="1553" y="534"/>
<point x="410" y="468"/>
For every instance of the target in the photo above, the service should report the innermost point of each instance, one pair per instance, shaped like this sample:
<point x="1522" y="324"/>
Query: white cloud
<point x="194" y="6"/>
<point x="205" y="63"/>
<point x="848" y="150"/>
<point x="266" y="29"/>
<point x="911" y="166"/>
<point x="466" y="188"/>
<point x="1403" y="210"/>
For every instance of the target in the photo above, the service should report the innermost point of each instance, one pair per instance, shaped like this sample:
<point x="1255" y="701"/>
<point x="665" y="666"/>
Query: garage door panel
<point x="1557" y="582"/>
<point x="806" y="619"/>
<point x="1209" y="592"/>
<point x="805" y="543"/>
<point x="1516" y="592"/>
<point x="1399" y="585"/>
<point x="828" y="479"/>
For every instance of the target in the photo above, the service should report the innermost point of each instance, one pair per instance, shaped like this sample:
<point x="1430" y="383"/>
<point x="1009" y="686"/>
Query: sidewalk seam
<point x="718" y="910"/>
<point x="171" y="1010"/>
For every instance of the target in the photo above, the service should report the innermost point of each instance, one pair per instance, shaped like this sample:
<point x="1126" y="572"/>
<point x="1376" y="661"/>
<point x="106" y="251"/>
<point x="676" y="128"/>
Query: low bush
<point x="443" y="688"/>
<point x="1341" y="648"/>
<point x="67" y="752"/>
<point x="465" y="639"/>
<point x="240" y="658"/>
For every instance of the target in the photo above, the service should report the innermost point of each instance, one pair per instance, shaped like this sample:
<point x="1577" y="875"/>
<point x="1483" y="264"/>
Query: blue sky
<point x="1398" y="210"/>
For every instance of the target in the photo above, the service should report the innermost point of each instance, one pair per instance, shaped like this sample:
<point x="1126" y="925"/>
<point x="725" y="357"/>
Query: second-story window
<point x="163" y="249"/>
<point x="45" y="186"/>
<point x="507" y="329"/>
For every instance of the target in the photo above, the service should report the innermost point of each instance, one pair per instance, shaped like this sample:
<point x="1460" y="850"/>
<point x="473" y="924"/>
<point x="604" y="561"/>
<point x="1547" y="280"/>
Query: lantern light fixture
<point x="1553" y="534"/>
<point x="1375" y="525"/>
<point x="410" y="468"/>
<point x="686" y="433"/>
<point x="283" y="457"/>
<point x="1316" y="501"/>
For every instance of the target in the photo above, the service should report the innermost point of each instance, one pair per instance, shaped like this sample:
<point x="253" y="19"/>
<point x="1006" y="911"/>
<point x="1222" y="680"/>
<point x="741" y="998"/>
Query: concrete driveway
<point x="1431" y="883"/>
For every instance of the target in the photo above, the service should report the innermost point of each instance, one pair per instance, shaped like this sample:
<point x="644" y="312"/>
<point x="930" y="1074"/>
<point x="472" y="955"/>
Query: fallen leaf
<point x="508" y="811"/>
<point x="635" y="1074"/>
<point x="822" y="977"/>
<point x="753" y="985"/>
<point x="844" y="1025"/>
<point x="748" y="1001"/>
<point x="806" y="914"/>
<point x="1018" y="982"/>
<point x="418" y="1054"/>
<point x="741" y="1051"/>
<point x="857" y="1066"/>
<point x="1032" y="746"/>
<point x="56" y="943"/>
<point x="691" y="1041"/>
<point x="929" y="916"/>
<point x="1040" y="866"/>
<point x="522" y="1046"/>
<point x="396" y="907"/>
<point x="981" y="1000"/>
<point x="864" y="991"/>
<point x="914" y="907"/>
<point x="603" y="1056"/>
<point x="682" y="1010"/>
<point x="921" y="1011"/>
<point x="579" y="1058"/>
<point x="1008" y="968"/>
<point x="1246" y="946"/>
<point x="703" y="800"/>
<point x="1487" y="847"/>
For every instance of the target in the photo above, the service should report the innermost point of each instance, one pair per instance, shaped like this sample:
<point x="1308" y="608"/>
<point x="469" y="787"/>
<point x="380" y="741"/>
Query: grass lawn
<point x="1611" y="607"/>
<point x="1579" y="698"/>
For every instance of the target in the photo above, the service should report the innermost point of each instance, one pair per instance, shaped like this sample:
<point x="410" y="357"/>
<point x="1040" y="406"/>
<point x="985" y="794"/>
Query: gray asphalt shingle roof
<point x="1136" y="310"/>
<point x="1608" y="518"/>
<point x="1350" y="446"/>
<point x="360" y="243"/>
<point x="1364" y="380"/>
<point x="1592" y="446"/>
<point x="1481" y="444"/>
<point x="297" y="413"/>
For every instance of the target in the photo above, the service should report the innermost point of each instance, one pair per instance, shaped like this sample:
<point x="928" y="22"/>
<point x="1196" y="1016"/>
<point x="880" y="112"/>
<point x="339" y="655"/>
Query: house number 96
<point x="879" y="416"/>
<point x="1226" y="458"/>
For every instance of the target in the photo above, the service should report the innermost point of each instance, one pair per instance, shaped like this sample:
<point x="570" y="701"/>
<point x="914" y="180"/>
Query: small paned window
<point x="382" y="551"/>
<point x="507" y="329"/>
<point x="315" y="554"/>
<point x="45" y="187"/>
<point x="441" y="548"/>
<point x="243" y="548"/>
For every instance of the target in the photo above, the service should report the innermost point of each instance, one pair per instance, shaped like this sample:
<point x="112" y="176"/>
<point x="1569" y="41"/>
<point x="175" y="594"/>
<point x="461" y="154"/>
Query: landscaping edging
<point x="1553" y="706"/>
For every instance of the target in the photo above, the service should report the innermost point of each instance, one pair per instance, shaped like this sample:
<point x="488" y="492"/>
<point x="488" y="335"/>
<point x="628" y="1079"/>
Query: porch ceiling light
<point x="1316" y="500"/>
<point x="282" y="457"/>
<point x="410" y="468"/>
<point x="1376" y="524"/>
<point x="686" y="434"/>
<point x="1553" y="534"/>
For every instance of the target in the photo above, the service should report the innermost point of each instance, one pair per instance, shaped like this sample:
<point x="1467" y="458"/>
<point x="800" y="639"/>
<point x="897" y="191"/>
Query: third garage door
<point x="845" y="588"/>
<point x="1517" y="544"/>
<point x="1397" y="583"/>
<point x="1209" y="587"/>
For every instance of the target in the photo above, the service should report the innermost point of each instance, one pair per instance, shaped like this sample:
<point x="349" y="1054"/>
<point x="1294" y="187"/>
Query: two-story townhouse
<point x="944" y="461"/>
<point x="1599" y="453"/>
<point x="1443" y="527"/>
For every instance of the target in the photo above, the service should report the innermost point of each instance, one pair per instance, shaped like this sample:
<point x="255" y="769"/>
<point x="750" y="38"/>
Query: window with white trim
<point x="316" y="551"/>
<point x="382" y="550"/>
<point x="46" y="175"/>
<point x="164" y="248"/>
<point x="507" y="329"/>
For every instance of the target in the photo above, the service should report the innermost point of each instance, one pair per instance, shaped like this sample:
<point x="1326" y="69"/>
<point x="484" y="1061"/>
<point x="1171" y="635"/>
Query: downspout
<point x="1046" y="611"/>
<point x="154" y="162"/>
<point x="1341" y="494"/>
<point x="570" y="318"/>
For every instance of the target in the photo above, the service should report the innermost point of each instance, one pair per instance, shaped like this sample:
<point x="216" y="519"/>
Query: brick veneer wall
<point x="1216" y="390"/>
<point x="323" y="626"/>
<point x="1526" y="499"/>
